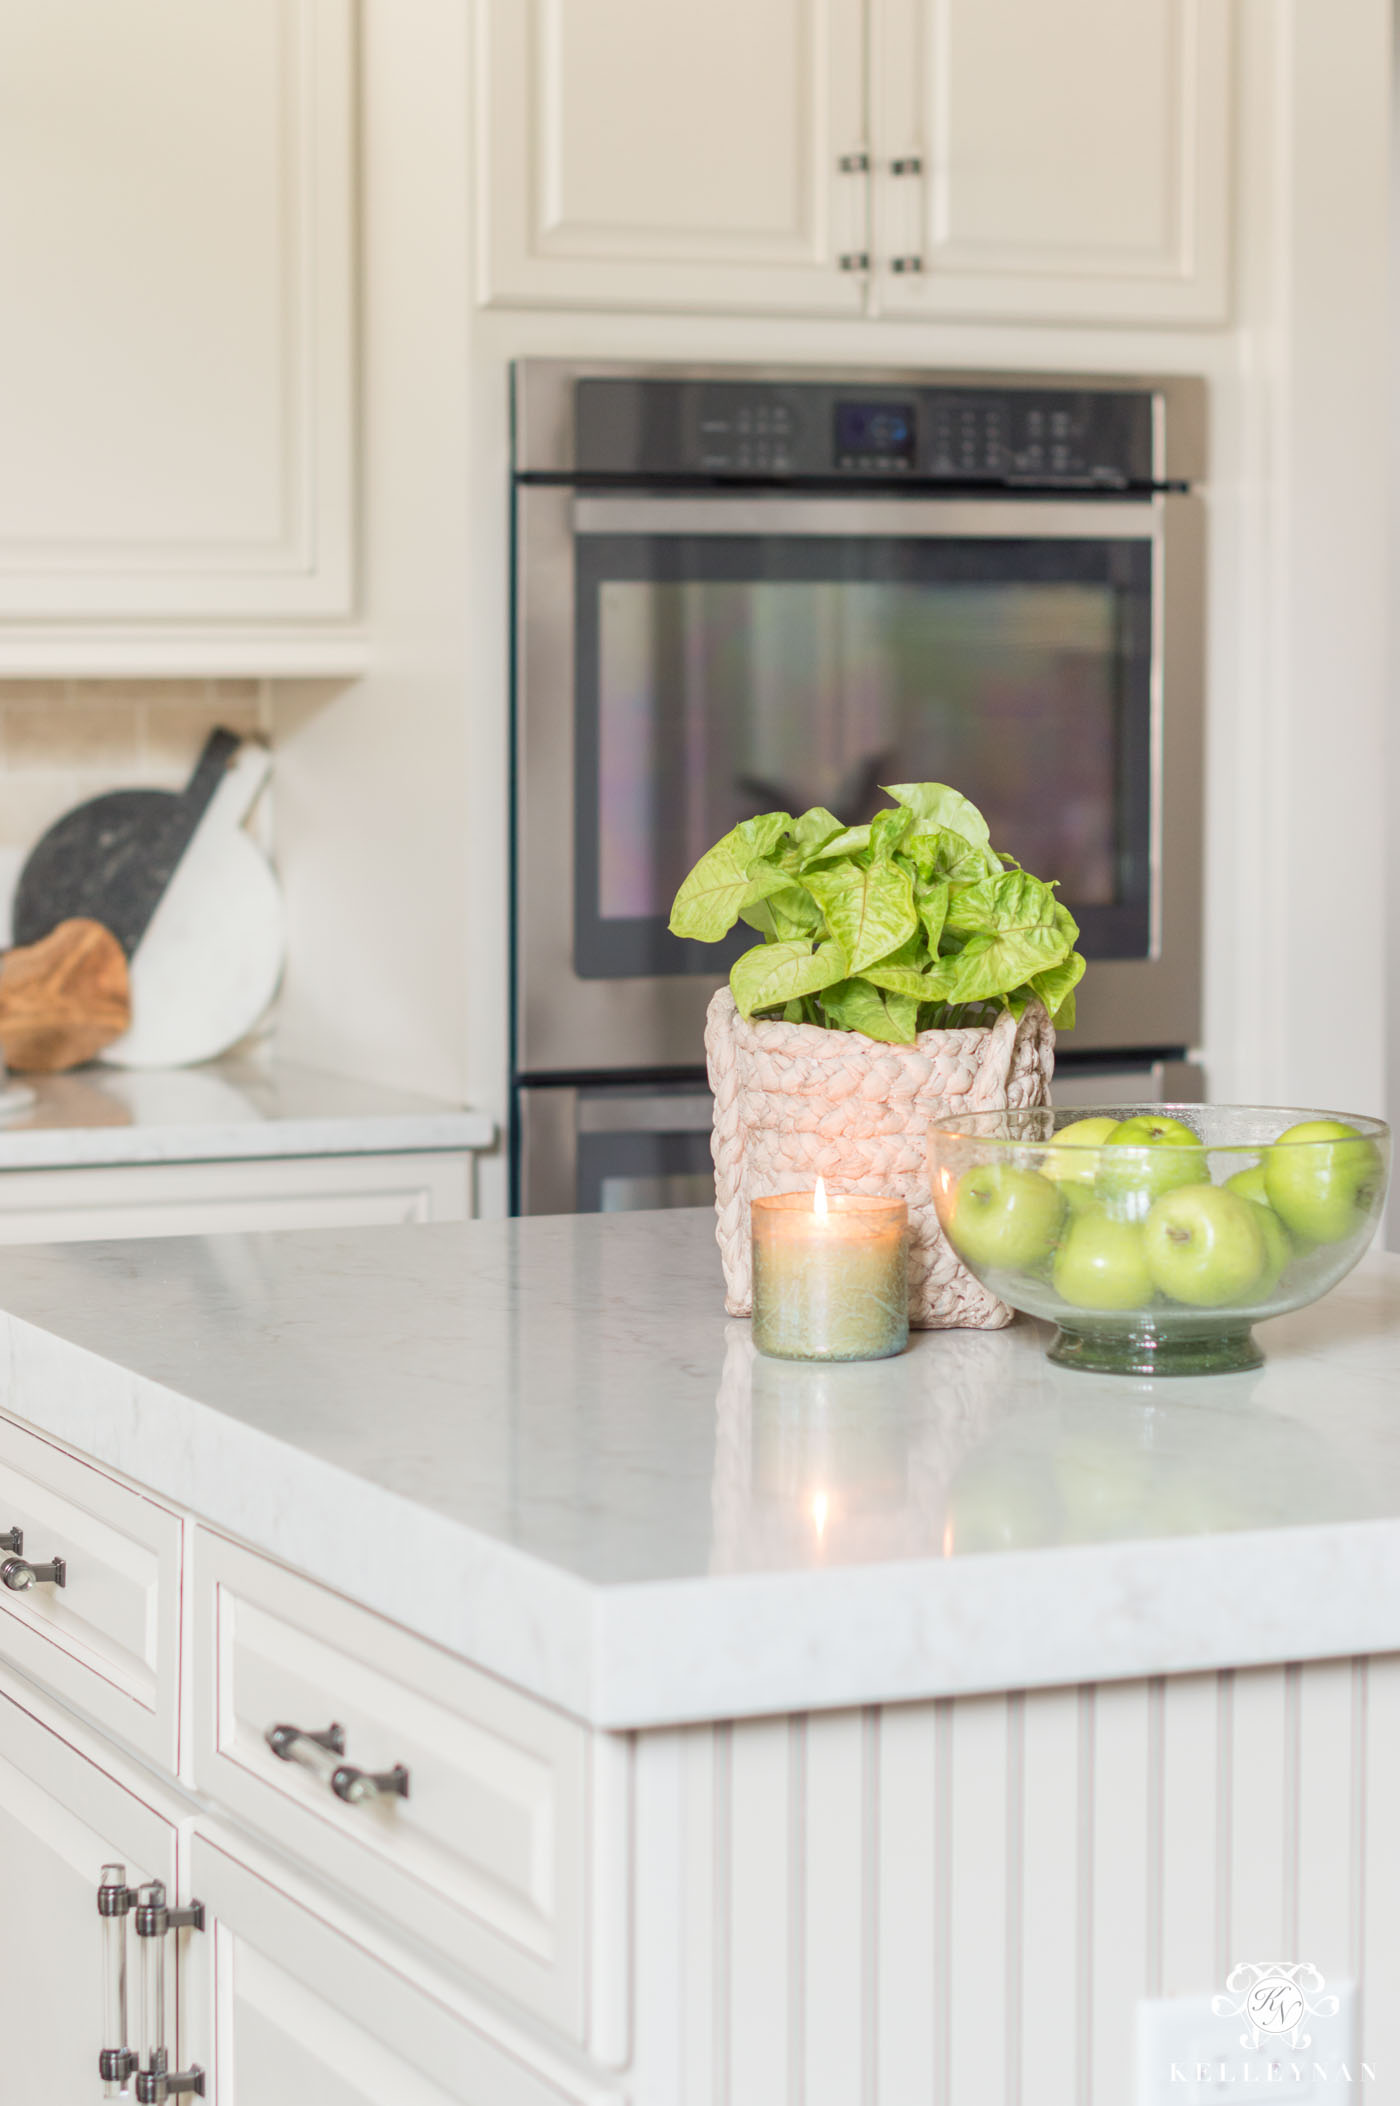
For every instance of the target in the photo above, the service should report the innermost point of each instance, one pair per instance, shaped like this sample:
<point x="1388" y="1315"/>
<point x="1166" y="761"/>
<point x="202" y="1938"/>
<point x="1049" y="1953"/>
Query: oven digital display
<point x="874" y="432"/>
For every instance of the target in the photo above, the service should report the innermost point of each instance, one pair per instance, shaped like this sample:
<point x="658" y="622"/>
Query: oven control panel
<point x="1007" y="436"/>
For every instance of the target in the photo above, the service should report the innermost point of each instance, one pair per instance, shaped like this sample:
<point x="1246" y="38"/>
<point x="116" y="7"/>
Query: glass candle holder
<point x="830" y="1276"/>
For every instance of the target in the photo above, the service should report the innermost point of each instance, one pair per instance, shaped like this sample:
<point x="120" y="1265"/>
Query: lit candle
<point x="830" y="1276"/>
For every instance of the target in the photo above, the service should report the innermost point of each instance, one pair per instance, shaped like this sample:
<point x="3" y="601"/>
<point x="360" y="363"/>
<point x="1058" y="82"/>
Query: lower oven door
<point x="613" y="1148"/>
<point x="685" y="660"/>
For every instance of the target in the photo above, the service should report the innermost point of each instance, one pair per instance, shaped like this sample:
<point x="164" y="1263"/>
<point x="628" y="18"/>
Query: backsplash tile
<point x="62" y="741"/>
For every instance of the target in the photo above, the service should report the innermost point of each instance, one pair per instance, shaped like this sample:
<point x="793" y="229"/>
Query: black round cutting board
<point x="110" y="859"/>
<point x="86" y="863"/>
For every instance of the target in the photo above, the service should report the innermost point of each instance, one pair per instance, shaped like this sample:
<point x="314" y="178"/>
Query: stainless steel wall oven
<point x="739" y="590"/>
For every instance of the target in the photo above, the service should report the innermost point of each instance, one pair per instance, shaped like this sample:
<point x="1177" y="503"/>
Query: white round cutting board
<point x="209" y="963"/>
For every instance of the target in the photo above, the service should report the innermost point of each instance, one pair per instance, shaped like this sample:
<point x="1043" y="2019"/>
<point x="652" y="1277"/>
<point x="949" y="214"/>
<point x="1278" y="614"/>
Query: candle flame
<point x="819" y="1202"/>
<point x="819" y="1514"/>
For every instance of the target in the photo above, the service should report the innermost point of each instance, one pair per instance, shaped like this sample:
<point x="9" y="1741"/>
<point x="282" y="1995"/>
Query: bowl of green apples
<point x="1154" y="1237"/>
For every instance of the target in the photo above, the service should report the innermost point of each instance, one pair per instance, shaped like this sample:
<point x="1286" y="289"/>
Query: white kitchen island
<point x="868" y="1735"/>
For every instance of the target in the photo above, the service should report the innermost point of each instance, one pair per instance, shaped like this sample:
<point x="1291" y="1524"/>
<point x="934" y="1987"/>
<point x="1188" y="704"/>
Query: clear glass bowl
<point x="1144" y="1251"/>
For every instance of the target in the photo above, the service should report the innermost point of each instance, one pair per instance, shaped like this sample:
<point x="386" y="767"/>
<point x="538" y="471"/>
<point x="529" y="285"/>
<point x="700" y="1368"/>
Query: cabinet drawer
<point x="483" y="1861"/>
<point x="108" y="1641"/>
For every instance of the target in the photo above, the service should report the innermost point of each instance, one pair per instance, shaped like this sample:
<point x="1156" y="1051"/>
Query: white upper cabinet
<point x="176" y="396"/>
<point x="664" y="153"/>
<point x="1041" y="160"/>
<point x="1058" y="162"/>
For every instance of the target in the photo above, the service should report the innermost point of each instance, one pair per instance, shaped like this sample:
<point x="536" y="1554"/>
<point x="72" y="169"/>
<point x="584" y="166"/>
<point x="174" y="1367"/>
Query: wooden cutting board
<point x="64" y="999"/>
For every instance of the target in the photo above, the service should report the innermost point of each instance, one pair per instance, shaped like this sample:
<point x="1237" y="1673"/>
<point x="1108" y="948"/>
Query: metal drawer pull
<point x="907" y="164"/>
<point x="321" y="1753"/>
<point x="905" y="264"/>
<point x="857" y="163"/>
<point x="18" y="1574"/>
<point x="155" y="2080"/>
<point x="12" y="1539"/>
<point x="855" y="260"/>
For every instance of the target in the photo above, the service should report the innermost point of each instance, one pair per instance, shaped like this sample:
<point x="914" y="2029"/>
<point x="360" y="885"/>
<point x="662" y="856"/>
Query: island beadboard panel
<point x="961" y="1903"/>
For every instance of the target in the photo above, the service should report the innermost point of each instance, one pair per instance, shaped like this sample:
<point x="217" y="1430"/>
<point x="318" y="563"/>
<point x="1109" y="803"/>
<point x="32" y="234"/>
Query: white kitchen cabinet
<point x="62" y="1818"/>
<point x="176" y="191"/>
<point x="94" y="1204"/>
<point x="651" y="153"/>
<point x="484" y="1858"/>
<point x="307" y="2016"/>
<point x="1065" y="163"/>
<point x="107" y="1641"/>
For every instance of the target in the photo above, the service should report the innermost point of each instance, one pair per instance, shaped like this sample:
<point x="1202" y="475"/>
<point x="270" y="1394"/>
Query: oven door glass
<point x="718" y="675"/>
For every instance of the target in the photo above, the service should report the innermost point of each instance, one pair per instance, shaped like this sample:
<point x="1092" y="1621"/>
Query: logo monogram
<point x="1275" y="1998"/>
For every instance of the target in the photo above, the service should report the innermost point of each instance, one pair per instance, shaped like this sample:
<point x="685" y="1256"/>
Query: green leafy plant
<point x="912" y="923"/>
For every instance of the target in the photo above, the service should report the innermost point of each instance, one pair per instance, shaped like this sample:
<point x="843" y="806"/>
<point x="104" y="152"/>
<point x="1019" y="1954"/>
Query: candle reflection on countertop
<point x="830" y="1465"/>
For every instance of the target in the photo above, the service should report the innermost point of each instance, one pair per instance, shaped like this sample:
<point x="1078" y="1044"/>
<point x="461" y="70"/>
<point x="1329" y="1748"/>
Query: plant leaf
<point x="718" y="888"/>
<point x="931" y="905"/>
<point x="848" y="842"/>
<point x="907" y="981"/>
<point x="812" y="829"/>
<point x="854" y="1005"/>
<point x="773" y="974"/>
<point x="944" y="854"/>
<point x="887" y="832"/>
<point x="935" y="805"/>
<point x="1009" y="901"/>
<point x="870" y="911"/>
<point x="1056" y="986"/>
<point x="991" y="963"/>
<point x="1015" y="933"/>
<point x="787" y="912"/>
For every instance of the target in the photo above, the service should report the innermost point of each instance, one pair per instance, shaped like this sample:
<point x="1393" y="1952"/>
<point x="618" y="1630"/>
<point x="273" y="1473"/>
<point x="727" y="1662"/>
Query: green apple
<point x="1075" y="1174"/>
<point x="1004" y="1217"/>
<point x="1324" y="1180"/>
<point x="1204" y="1245"/>
<point x="1146" y="1156"/>
<point x="1279" y="1251"/>
<point x="1279" y="1247"/>
<point x="1101" y="1264"/>
<point x="1250" y="1185"/>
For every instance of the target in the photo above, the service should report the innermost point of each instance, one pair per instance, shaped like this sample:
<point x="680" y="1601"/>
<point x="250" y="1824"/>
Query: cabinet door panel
<point x="307" y="2016"/>
<point x="61" y="1819"/>
<point x="175" y="197"/>
<point x="1073" y="159"/>
<point x="654" y="153"/>
<point x="289" y="2047"/>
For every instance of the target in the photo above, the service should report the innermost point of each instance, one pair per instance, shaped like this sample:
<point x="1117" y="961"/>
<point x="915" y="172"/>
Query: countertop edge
<point x="629" y="1657"/>
<point x="123" y="1147"/>
<point x="1033" y="1619"/>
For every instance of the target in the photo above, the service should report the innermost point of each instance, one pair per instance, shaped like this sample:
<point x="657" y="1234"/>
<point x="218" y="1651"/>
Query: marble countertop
<point x="225" y="1110"/>
<point x="542" y="1445"/>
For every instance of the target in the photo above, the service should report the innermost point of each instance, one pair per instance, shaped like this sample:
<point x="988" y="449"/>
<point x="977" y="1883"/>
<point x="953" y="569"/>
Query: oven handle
<point x="886" y="518"/>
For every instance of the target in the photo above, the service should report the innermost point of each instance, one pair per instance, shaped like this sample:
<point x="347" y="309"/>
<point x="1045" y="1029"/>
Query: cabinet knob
<point x="907" y="164"/>
<point x="905" y="265"/>
<point x="322" y="1754"/>
<point x="854" y="260"/>
<point x="19" y="1575"/>
<point x="857" y="163"/>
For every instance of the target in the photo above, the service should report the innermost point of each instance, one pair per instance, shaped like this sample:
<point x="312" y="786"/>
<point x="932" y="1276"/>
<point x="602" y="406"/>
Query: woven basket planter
<point x="794" y="1101"/>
